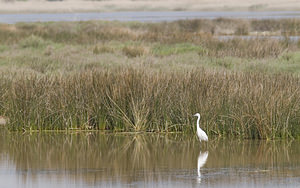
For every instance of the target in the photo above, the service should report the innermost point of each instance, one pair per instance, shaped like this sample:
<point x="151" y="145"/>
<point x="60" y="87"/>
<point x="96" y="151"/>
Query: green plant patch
<point x="164" y="50"/>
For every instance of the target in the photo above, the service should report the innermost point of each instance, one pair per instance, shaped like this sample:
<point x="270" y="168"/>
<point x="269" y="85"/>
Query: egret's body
<point x="200" y="133"/>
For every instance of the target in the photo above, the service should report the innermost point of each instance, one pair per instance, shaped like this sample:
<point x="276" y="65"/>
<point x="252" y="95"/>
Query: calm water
<point x="156" y="16"/>
<point x="136" y="160"/>
<point x="249" y="37"/>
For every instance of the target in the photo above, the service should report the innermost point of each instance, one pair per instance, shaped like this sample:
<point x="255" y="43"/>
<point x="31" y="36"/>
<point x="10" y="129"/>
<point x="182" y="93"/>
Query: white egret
<point x="200" y="133"/>
<point x="201" y="162"/>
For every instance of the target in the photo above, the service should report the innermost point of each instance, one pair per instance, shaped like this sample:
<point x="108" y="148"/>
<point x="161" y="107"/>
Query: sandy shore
<point x="31" y="6"/>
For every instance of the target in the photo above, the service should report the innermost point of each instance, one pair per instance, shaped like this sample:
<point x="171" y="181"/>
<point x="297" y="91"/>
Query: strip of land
<point x="146" y="5"/>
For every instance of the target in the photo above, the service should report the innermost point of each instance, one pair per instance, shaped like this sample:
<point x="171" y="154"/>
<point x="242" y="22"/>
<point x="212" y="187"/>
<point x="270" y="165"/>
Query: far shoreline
<point x="81" y="6"/>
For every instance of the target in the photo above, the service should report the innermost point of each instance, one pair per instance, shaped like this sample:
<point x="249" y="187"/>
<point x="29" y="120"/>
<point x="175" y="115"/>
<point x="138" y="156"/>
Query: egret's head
<point x="197" y="114"/>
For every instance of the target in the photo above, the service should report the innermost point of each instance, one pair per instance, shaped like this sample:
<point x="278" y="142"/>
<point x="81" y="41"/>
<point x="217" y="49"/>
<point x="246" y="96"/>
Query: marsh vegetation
<point x="152" y="77"/>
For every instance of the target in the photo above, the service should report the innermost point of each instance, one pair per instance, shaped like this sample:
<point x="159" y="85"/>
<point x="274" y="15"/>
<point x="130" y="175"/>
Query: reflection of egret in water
<point x="201" y="162"/>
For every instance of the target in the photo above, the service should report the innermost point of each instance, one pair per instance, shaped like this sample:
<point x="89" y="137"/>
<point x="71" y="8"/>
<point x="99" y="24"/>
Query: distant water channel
<point x="251" y="37"/>
<point x="144" y="160"/>
<point x="155" y="16"/>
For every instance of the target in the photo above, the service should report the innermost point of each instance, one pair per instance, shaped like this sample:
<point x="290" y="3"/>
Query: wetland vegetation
<point x="129" y="76"/>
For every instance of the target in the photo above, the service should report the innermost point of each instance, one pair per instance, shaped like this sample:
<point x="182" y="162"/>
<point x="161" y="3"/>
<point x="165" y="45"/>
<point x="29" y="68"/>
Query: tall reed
<point x="247" y="105"/>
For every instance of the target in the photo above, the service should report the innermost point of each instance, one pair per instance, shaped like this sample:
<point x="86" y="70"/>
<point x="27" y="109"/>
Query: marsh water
<point x="144" y="16"/>
<point x="144" y="160"/>
<point x="251" y="37"/>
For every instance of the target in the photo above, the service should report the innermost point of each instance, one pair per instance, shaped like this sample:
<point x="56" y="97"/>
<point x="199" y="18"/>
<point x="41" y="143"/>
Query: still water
<point x="144" y="160"/>
<point x="251" y="37"/>
<point x="142" y="16"/>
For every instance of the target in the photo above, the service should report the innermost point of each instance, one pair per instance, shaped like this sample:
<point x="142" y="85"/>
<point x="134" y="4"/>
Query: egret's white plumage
<point x="200" y="133"/>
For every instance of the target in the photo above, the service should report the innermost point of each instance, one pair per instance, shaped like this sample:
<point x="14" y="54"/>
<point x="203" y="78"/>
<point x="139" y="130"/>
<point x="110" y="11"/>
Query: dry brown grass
<point x="197" y="32"/>
<point x="98" y="49"/>
<point x="254" y="48"/>
<point x="135" y="51"/>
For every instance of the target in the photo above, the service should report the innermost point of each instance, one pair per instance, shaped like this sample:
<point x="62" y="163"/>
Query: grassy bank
<point x="148" y="77"/>
<point x="95" y="31"/>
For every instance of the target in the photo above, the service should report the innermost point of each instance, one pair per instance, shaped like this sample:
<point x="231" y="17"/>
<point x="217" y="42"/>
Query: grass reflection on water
<point x="129" y="158"/>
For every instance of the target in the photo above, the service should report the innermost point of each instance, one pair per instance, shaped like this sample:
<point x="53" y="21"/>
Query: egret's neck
<point x="198" y="121"/>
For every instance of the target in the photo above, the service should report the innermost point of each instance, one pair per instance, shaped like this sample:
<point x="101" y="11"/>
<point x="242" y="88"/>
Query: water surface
<point x="141" y="16"/>
<point x="251" y="37"/>
<point x="144" y="160"/>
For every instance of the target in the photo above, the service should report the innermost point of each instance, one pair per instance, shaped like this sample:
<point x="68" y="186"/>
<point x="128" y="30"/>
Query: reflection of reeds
<point x="106" y="156"/>
<point x="253" y="154"/>
<point x="96" y="157"/>
<point x="138" y="147"/>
